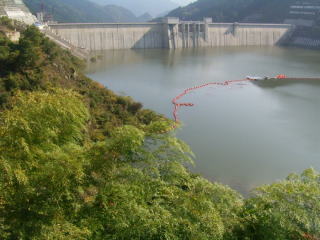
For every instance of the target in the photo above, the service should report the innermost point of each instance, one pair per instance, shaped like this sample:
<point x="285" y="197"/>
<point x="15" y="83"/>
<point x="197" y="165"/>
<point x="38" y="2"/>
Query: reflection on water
<point x="242" y="135"/>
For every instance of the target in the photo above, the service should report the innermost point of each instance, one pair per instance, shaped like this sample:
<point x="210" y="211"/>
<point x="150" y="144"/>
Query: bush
<point x="288" y="209"/>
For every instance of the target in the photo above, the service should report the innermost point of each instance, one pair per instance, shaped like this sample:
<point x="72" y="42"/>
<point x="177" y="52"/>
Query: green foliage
<point x="82" y="11"/>
<point x="37" y="63"/>
<point x="20" y="63"/>
<point x="141" y="190"/>
<point x="9" y="24"/>
<point x="83" y="163"/>
<point x="271" y="11"/>
<point x="62" y="231"/>
<point x="56" y="183"/>
<point x="285" y="210"/>
<point x="41" y="161"/>
<point x="137" y="205"/>
<point x="5" y="21"/>
<point x="126" y="141"/>
<point x="60" y="122"/>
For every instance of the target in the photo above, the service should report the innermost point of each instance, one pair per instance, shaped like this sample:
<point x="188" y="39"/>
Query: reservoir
<point x="243" y="135"/>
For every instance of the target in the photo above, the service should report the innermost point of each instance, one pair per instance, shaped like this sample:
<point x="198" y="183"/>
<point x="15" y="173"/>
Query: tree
<point x="57" y="184"/>
<point x="41" y="161"/>
<point x="289" y="209"/>
<point x="139" y="189"/>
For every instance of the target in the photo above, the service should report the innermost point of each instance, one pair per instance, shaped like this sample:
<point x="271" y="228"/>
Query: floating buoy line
<point x="178" y="105"/>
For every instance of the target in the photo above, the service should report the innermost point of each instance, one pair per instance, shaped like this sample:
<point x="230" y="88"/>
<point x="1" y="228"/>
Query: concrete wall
<point x="228" y="34"/>
<point x="112" y="36"/>
<point x="170" y="35"/>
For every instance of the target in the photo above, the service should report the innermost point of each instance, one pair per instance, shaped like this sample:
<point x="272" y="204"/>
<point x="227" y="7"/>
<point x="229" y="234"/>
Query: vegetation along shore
<point x="79" y="162"/>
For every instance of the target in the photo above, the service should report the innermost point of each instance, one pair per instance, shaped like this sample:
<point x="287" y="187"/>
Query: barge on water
<point x="282" y="80"/>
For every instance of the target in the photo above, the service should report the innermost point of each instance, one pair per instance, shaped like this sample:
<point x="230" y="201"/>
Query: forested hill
<point x="81" y="11"/>
<point x="270" y="11"/>
<point x="36" y="63"/>
<point x="78" y="162"/>
<point x="139" y="7"/>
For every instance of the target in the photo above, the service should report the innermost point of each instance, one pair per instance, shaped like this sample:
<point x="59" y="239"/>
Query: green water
<point x="242" y="135"/>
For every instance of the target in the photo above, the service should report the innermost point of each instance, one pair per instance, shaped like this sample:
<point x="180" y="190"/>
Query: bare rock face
<point x="15" y="9"/>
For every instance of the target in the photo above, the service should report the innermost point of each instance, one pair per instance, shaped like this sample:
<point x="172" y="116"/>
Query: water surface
<point x="242" y="135"/>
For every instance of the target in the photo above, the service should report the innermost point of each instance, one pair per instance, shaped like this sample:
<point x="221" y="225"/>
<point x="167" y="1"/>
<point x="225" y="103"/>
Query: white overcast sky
<point x="183" y="2"/>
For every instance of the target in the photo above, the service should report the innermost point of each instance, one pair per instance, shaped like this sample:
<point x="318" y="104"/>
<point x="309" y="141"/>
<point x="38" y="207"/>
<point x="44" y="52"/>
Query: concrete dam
<point x="171" y="34"/>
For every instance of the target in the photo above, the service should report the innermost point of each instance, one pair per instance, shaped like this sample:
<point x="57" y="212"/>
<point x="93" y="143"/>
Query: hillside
<point x="139" y="7"/>
<point x="81" y="11"/>
<point x="119" y="14"/>
<point x="26" y="67"/>
<point x="305" y="15"/>
<point x="78" y="162"/>
<point x="272" y="11"/>
<point x="144" y="18"/>
<point x="16" y="10"/>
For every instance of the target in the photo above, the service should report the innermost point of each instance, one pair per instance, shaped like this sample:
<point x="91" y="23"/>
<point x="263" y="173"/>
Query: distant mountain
<point x="235" y="10"/>
<point x="119" y="14"/>
<point x="139" y="7"/>
<point x="81" y="11"/>
<point x="163" y="14"/>
<point x="144" y="17"/>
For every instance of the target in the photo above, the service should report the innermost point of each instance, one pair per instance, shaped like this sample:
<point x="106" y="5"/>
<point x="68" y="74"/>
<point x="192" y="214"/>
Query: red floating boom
<point x="177" y="105"/>
<point x="281" y="76"/>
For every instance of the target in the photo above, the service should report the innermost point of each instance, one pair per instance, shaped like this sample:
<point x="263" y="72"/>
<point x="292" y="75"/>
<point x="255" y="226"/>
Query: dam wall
<point x="102" y="36"/>
<point x="172" y="34"/>
<point x="229" y="34"/>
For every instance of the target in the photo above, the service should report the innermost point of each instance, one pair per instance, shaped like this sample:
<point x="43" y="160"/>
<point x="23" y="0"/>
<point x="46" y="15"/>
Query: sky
<point x="183" y="2"/>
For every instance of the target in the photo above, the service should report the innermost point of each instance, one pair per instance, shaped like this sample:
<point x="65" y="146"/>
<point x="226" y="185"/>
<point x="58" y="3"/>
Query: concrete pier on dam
<point x="171" y="34"/>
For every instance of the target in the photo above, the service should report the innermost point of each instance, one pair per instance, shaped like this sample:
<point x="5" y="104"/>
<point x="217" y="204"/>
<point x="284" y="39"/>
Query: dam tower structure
<point x="17" y="10"/>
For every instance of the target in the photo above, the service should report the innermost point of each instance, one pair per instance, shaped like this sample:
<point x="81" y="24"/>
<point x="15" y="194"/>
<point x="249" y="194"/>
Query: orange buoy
<point x="281" y="76"/>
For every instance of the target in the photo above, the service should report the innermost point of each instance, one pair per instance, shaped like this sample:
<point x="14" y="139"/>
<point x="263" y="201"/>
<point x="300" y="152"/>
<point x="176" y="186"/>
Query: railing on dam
<point x="171" y="33"/>
<point x="267" y="25"/>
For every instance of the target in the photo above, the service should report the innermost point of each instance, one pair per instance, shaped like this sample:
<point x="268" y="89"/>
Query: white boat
<point x="256" y="78"/>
